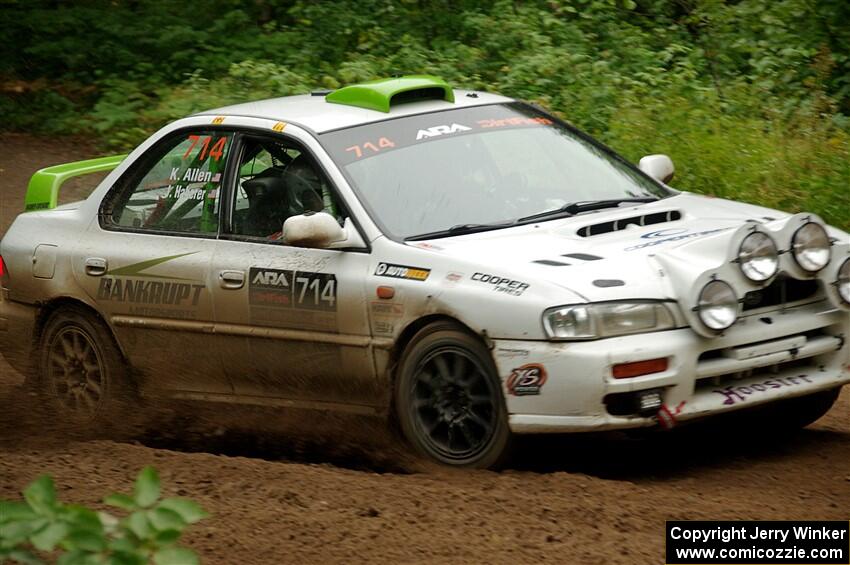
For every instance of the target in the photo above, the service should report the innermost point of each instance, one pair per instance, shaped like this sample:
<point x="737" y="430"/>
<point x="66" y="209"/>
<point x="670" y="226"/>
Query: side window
<point x="278" y="180"/>
<point x="178" y="190"/>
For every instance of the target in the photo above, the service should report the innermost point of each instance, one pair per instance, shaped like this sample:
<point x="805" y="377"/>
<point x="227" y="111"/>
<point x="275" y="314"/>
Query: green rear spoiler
<point x="43" y="189"/>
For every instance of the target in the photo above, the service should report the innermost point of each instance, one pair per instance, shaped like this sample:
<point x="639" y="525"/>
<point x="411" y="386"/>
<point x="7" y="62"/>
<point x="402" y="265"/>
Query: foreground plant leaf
<point x="188" y="510"/>
<point x="86" y="540"/>
<point x="10" y="511"/>
<point x="146" y="490"/>
<point x="146" y="535"/>
<point x="49" y="537"/>
<point x="175" y="556"/>
<point x="120" y="501"/>
<point x="24" y="557"/>
<point x="164" y="519"/>
<point x="41" y="496"/>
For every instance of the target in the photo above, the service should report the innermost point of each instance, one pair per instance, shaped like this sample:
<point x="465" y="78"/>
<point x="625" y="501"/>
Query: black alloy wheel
<point x="449" y="399"/>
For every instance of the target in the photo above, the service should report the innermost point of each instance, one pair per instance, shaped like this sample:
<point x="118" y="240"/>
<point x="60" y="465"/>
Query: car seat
<point x="305" y="186"/>
<point x="269" y="205"/>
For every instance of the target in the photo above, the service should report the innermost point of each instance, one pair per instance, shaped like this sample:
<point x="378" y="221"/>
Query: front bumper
<point x="763" y="358"/>
<point x="17" y="324"/>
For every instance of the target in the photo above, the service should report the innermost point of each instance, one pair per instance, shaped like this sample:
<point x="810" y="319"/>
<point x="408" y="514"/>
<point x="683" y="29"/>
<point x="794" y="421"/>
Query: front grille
<point x="783" y="290"/>
<point x="802" y="365"/>
<point x="720" y="353"/>
<point x="806" y="350"/>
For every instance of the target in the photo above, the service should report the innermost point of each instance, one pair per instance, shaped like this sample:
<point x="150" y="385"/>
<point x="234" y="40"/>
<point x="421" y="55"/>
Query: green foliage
<point x="801" y="165"/>
<point x="750" y="97"/>
<point x="76" y="535"/>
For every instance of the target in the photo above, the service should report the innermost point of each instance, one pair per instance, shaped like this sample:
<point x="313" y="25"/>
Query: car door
<point x="294" y="318"/>
<point x="146" y="262"/>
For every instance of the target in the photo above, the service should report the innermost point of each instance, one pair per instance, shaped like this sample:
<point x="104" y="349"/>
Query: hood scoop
<point x="579" y="256"/>
<point x="622" y="223"/>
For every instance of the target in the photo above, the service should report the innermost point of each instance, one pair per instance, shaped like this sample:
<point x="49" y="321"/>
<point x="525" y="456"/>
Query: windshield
<point x="489" y="164"/>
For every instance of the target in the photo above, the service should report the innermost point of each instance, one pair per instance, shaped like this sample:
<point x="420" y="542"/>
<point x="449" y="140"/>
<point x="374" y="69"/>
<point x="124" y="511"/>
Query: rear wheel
<point x="449" y="399"/>
<point x="82" y="373"/>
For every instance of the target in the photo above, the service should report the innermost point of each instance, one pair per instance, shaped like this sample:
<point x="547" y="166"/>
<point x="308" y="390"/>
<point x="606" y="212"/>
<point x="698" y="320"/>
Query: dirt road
<point x="567" y="500"/>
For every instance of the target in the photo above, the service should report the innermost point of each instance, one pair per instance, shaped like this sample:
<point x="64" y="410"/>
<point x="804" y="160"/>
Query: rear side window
<point x="175" y="189"/>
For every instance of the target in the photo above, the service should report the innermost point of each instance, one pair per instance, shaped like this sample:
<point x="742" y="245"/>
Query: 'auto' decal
<point x="402" y="272"/>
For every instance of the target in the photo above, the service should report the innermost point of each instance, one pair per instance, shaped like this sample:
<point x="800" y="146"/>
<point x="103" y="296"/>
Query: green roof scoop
<point x="381" y="94"/>
<point x="43" y="189"/>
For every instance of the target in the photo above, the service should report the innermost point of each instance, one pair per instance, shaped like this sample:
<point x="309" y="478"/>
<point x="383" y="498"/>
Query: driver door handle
<point x="95" y="266"/>
<point x="231" y="280"/>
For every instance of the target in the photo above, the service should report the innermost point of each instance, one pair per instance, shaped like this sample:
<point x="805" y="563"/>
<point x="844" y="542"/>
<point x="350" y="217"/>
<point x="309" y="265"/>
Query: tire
<point x="797" y="413"/>
<point x="449" y="401"/>
<point x="82" y="374"/>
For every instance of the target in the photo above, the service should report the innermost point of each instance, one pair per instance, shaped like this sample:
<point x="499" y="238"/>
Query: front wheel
<point x="797" y="413"/>
<point x="449" y="401"/>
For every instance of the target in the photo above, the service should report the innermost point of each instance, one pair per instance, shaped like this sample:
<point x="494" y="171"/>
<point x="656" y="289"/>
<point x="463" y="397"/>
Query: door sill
<point x="360" y="409"/>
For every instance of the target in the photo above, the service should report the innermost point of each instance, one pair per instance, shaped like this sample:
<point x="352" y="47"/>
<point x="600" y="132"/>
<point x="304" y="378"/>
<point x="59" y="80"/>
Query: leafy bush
<point x="796" y="165"/>
<point x="41" y="525"/>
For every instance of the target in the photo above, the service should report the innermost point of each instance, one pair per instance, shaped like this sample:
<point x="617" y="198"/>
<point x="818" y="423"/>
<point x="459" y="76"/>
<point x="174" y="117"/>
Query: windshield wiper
<point x="574" y="208"/>
<point x="460" y="229"/>
<point x="570" y="209"/>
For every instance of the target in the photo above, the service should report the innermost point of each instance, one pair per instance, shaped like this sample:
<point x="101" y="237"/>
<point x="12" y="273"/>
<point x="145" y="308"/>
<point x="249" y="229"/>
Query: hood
<point x="610" y="254"/>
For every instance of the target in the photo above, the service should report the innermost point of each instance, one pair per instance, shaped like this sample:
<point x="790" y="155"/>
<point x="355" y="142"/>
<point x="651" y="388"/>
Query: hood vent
<point x="623" y="223"/>
<point x="583" y="256"/>
<point x="579" y="256"/>
<point x="550" y="263"/>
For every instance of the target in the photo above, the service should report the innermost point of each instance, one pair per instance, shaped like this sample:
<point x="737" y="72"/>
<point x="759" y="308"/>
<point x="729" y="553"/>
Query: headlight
<point x="717" y="306"/>
<point x="810" y="247"/>
<point x="606" y="319"/>
<point x="758" y="257"/>
<point x="843" y="282"/>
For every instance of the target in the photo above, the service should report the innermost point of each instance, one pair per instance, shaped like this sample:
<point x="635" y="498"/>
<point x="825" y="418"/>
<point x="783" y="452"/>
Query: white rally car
<point x="464" y="264"/>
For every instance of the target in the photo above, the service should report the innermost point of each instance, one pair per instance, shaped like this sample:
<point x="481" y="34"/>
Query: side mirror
<point x="659" y="167"/>
<point x="320" y="229"/>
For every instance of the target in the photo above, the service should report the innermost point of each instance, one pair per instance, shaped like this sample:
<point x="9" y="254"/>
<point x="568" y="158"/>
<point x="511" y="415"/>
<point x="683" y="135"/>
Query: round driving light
<point x="718" y="306"/>
<point x="843" y="282"/>
<point x="758" y="257"/>
<point x="810" y="247"/>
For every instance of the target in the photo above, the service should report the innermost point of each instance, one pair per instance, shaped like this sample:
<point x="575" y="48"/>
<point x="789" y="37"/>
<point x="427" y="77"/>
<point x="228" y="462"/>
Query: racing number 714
<point x="323" y="291"/>
<point x="216" y="152"/>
